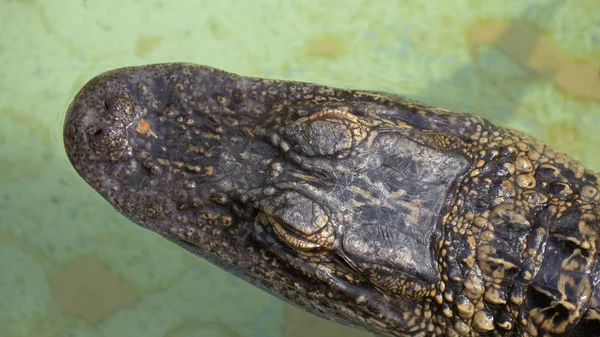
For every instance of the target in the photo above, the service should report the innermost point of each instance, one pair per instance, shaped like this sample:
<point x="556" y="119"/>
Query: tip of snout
<point x="95" y="126"/>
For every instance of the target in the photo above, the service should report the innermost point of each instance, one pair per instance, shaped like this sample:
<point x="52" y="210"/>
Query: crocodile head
<point x="338" y="201"/>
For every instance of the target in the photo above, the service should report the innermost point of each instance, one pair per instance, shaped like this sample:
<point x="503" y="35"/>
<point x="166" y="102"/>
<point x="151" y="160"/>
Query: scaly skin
<point x="364" y="208"/>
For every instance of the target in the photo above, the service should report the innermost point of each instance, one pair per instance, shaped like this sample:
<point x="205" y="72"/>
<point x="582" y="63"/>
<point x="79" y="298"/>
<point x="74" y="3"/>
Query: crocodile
<point x="365" y="208"/>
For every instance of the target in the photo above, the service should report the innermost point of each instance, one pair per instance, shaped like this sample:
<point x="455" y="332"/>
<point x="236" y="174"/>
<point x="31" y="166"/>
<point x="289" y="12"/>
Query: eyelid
<point x="290" y="239"/>
<point x="331" y="132"/>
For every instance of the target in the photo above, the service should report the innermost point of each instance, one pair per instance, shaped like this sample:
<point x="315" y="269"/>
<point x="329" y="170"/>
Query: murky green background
<point x="71" y="266"/>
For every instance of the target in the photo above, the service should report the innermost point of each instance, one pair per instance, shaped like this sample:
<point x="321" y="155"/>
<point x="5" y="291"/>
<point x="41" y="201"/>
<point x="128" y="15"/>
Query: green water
<point x="71" y="266"/>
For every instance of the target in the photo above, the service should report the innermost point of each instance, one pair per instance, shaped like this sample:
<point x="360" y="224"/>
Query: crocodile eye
<point x="298" y="221"/>
<point x="328" y="133"/>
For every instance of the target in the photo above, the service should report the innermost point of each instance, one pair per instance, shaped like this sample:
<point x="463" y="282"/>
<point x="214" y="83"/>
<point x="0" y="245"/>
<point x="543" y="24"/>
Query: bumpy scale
<point x="364" y="208"/>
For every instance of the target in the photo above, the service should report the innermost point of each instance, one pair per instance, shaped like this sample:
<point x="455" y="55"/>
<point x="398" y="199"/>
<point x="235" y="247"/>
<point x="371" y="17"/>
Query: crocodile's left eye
<point x="329" y="133"/>
<point x="299" y="222"/>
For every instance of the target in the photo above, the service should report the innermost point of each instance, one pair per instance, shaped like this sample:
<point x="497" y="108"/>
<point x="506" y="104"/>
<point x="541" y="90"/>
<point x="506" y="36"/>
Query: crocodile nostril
<point x="93" y="130"/>
<point x="118" y="111"/>
<point x="109" y="144"/>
